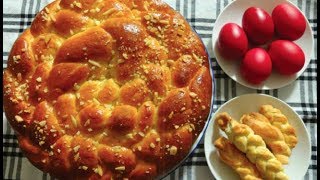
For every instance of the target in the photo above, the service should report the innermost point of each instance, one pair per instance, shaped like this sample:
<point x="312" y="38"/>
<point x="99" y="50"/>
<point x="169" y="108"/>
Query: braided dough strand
<point x="270" y="134"/>
<point x="243" y="137"/>
<point x="280" y="121"/>
<point x="237" y="160"/>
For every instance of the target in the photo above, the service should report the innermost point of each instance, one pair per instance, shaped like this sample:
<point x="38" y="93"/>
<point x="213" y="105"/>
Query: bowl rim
<point x="268" y="96"/>
<point x="308" y="57"/>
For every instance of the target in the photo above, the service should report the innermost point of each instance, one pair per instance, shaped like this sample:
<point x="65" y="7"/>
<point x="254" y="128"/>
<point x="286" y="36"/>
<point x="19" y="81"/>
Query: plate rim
<point x="206" y="135"/>
<point x="252" y="86"/>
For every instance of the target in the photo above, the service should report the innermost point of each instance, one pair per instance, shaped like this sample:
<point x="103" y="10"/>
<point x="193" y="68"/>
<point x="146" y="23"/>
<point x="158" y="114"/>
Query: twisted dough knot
<point x="280" y="121"/>
<point x="253" y="145"/>
<point x="107" y="73"/>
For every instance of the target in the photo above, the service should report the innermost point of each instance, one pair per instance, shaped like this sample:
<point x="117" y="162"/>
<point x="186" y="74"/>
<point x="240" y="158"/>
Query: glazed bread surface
<point x="107" y="89"/>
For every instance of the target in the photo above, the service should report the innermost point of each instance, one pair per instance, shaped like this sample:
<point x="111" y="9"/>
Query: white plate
<point x="300" y="158"/>
<point x="233" y="13"/>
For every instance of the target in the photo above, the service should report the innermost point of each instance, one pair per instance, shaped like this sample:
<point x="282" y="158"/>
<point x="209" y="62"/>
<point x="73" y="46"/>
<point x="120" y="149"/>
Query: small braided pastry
<point x="270" y="134"/>
<point x="237" y="160"/>
<point x="280" y="121"/>
<point x="243" y="137"/>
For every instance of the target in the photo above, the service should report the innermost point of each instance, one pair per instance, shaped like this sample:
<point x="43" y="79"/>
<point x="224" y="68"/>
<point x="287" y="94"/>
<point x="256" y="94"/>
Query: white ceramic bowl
<point x="300" y="158"/>
<point x="233" y="13"/>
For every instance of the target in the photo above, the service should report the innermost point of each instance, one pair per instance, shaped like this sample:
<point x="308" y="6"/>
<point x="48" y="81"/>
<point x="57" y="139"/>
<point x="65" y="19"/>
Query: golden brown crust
<point x="280" y="121"/>
<point x="243" y="137"/>
<point x="102" y="89"/>
<point x="270" y="134"/>
<point x="237" y="160"/>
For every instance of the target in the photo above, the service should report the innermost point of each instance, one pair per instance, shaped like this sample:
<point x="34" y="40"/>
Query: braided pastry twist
<point x="234" y="158"/>
<point x="243" y="137"/>
<point x="280" y="121"/>
<point x="270" y="134"/>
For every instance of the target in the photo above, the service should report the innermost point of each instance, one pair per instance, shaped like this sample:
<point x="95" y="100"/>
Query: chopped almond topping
<point x="42" y="123"/>
<point x="192" y="94"/>
<point x="45" y="90"/>
<point x="152" y="145"/>
<point x="125" y="55"/>
<point x="109" y="12"/>
<point x="98" y="170"/>
<point x="97" y="22"/>
<point x="164" y="21"/>
<point x="16" y="58"/>
<point x="87" y="123"/>
<point x="18" y="118"/>
<point x="41" y="143"/>
<point x="76" y="157"/>
<point x="158" y="139"/>
<point x="94" y="63"/>
<point x="120" y="168"/>
<point x="170" y="115"/>
<point x="129" y="135"/>
<point x="78" y="4"/>
<point x="141" y="134"/>
<point x="52" y="18"/>
<point x="173" y="150"/>
<point x="147" y="17"/>
<point x="76" y="148"/>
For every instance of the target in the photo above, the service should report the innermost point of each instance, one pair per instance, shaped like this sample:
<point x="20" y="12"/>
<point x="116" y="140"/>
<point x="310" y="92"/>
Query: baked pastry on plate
<point x="271" y="135"/>
<point x="236" y="159"/>
<point x="244" y="138"/>
<point x="102" y="89"/>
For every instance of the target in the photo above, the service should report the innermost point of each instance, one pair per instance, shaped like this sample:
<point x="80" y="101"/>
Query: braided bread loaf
<point x="107" y="89"/>
<point x="253" y="145"/>
<point x="280" y="121"/>
<point x="270" y="134"/>
<point x="234" y="158"/>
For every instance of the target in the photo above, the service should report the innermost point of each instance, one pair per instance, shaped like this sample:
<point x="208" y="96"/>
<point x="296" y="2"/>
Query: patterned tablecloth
<point x="201" y="14"/>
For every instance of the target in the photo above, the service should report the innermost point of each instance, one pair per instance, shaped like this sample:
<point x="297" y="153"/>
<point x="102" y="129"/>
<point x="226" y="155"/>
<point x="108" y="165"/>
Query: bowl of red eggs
<point x="262" y="44"/>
